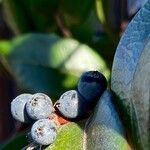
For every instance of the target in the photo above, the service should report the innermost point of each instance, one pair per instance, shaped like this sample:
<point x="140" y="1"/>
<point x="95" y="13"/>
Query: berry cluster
<point x="36" y="109"/>
<point x="39" y="109"/>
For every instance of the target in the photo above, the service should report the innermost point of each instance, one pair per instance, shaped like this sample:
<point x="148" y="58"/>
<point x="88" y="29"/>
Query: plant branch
<point x="61" y="25"/>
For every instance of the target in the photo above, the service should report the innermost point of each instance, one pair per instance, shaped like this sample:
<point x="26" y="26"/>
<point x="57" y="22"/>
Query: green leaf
<point x="47" y="63"/>
<point x="105" y="130"/>
<point x="5" y="47"/>
<point x="17" y="142"/>
<point x="125" y="72"/>
<point x="70" y="136"/>
<point x="42" y="13"/>
<point x="105" y="47"/>
<point x="103" y="9"/>
<point x="75" y="12"/>
<point x="84" y="32"/>
<point x="30" y="15"/>
<point x="16" y="17"/>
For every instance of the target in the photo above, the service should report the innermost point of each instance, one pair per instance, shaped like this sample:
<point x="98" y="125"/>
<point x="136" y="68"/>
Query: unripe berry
<point x="18" y="107"/>
<point x="70" y="104"/>
<point x="39" y="107"/>
<point x="44" y="132"/>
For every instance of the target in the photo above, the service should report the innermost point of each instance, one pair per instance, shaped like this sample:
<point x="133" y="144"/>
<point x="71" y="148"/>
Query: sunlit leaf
<point x="47" y="63"/>
<point x="70" y="136"/>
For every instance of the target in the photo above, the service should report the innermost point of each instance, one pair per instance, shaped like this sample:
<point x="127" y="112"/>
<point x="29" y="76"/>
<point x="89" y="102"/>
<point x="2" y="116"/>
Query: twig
<point x="60" y="23"/>
<point x="32" y="146"/>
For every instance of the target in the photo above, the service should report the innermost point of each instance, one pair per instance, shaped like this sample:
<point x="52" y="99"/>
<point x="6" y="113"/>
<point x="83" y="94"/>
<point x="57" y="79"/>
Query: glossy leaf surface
<point x="124" y="73"/>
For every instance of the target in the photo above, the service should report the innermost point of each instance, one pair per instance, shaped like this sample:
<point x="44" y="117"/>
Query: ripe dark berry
<point x="70" y="104"/>
<point x="44" y="132"/>
<point x="39" y="107"/>
<point x="18" y="107"/>
<point x="91" y="85"/>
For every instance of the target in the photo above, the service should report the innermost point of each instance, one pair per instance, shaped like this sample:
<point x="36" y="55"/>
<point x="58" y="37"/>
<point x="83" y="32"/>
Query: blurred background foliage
<point x="45" y="45"/>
